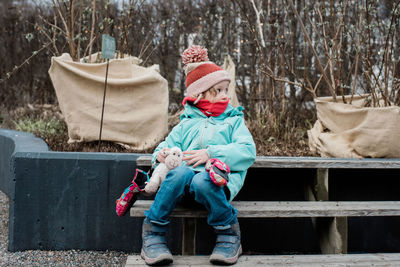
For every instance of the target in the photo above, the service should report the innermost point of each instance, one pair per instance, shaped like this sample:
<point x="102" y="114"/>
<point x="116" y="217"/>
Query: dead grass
<point x="279" y="135"/>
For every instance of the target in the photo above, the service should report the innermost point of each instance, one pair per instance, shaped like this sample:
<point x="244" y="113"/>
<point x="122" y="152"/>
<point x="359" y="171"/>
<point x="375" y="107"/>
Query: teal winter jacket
<point x="225" y="137"/>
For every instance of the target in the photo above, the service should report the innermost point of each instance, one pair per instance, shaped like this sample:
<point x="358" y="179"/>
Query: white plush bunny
<point x="173" y="159"/>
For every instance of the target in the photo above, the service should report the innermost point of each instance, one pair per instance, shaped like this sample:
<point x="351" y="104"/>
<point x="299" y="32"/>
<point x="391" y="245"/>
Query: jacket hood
<point x="193" y="112"/>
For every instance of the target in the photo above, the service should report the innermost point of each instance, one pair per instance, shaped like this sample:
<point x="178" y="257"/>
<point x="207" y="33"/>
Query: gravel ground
<point x="51" y="258"/>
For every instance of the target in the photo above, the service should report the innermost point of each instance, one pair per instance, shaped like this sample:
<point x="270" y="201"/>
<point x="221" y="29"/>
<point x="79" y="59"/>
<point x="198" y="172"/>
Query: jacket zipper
<point x="202" y="133"/>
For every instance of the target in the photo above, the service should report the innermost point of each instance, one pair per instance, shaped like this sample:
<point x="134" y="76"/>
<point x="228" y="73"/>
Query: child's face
<point x="218" y="92"/>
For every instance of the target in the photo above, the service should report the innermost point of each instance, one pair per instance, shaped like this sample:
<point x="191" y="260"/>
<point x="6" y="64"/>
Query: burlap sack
<point x="353" y="131"/>
<point x="230" y="67"/>
<point x="136" y="105"/>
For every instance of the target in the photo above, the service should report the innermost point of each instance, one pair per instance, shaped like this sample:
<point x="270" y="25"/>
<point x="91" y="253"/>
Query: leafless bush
<point x="325" y="48"/>
<point x="355" y="43"/>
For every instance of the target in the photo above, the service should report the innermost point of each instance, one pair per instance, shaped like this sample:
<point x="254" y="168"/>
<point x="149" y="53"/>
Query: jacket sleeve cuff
<point x="208" y="153"/>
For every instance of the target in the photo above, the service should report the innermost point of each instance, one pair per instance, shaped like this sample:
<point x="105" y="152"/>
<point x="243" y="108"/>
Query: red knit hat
<point x="201" y="74"/>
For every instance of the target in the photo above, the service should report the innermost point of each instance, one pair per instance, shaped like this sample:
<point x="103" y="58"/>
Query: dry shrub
<point x="283" y="134"/>
<point x="47" y="123"/>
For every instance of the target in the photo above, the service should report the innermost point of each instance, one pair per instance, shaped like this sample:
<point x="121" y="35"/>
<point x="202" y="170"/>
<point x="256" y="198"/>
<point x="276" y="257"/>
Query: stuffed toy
<point x="173" y="158"/>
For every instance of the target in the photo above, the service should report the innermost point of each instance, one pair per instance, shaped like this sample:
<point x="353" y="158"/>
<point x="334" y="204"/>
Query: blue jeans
<point x="182" y="181"/>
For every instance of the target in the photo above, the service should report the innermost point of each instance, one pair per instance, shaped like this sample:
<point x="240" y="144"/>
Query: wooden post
<point x="332" y="232"/>
<point x="188" y="236"/>
<point x="321" y="184"/>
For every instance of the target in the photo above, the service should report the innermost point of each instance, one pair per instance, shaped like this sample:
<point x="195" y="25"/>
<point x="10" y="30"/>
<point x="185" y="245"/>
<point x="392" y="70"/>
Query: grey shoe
<point x="228" y="248"/>
<point x="154" y="246"/>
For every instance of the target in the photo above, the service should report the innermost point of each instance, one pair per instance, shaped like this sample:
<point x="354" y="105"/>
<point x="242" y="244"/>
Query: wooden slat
<point x="189" y="236"/>
<point x="309" y="162"/>
<point x="143" y="161"/>
<point x="384" y="259"/>
<point x="328" y="163"/>
<point x="271" y="209"/>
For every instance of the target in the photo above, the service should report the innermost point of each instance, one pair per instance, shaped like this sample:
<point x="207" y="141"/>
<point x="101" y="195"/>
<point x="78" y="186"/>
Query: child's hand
<point x="161" y="155"/>
<point x="196" y="156"/>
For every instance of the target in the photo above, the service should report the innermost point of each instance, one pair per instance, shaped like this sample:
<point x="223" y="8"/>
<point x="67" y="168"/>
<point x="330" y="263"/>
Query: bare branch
<point x="16" y="68"/>
<point x="313" y="50"/>
<point x="281" y="79"/>
<point x="353" y="89"/>
<point x="378" y="84"/>
<point x="260" y="31"/>
<point x="80" y="29"/>
<point x="58" y="8"/>
<point x="92" y="30"/>
<point x="52" y="40"/>
<point x="328" y="51"/>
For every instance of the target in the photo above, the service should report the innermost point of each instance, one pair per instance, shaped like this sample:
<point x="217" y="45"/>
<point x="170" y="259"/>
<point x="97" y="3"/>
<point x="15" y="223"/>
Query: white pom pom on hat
<point x="201" y="73"/>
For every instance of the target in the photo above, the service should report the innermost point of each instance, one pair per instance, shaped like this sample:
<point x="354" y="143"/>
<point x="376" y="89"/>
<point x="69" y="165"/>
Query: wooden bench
<point x="286" y="209"/>
<point x="381" y="259"/>
<point x="329" y="217"/>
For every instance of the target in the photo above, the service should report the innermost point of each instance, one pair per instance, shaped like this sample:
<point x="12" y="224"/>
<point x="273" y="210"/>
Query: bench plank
<point x="310" y="162"/>
<point x="271" y="209"/>
<point x="384" y="259"/>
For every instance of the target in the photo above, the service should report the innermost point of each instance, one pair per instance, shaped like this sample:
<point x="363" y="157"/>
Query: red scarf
<point x="209" y="109"/>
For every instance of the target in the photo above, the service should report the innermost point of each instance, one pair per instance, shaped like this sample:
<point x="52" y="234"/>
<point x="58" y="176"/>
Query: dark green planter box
<point x="66" y="200"/>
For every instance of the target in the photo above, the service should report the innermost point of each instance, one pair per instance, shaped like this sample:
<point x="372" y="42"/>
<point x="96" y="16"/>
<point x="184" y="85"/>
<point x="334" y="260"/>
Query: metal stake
<point x="102" y="109"/>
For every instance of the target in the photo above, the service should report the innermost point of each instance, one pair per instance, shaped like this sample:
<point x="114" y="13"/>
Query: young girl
<point x="210" y="128"/>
